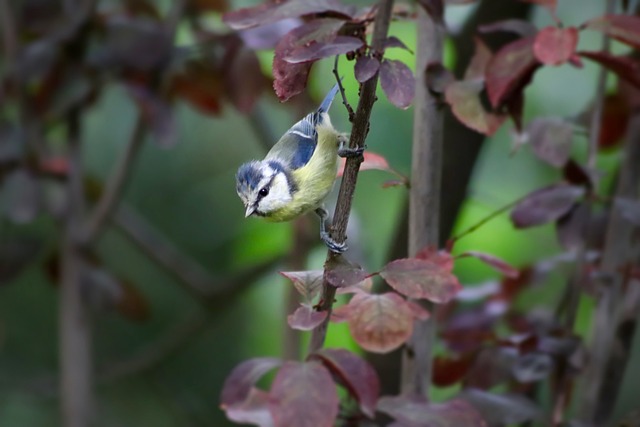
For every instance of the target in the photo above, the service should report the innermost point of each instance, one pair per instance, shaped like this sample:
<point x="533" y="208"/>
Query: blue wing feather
<point x="298" y="144"/>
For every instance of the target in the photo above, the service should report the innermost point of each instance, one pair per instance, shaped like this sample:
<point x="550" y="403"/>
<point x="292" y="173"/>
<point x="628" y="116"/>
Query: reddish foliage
<point x="303" y="394"/>
<point x="356" y="374"/>
<point x="200" y="86"/>
<point x="372" y="161"/>
<point x="502" y="409"/>
<point x="555" y="46"/>
<point x="415" y="411"/>
<point x="417" y="278"/>
<point x="625" y="67"/>
<point x="615" y="118"/>
<point x="451" y="369"/>
<point x="242" y="379"/>
<point x="625" y="28"/>
<point x="510" y="70"/>
<point x="397" y="82"/>
<point x="268" y="13"/>
<point x="545" y="205"/>
<point x="479" y="62"/>
<point x="341" y="273"/>
<point x="550" y="138"/>
<point x="495" y="262"/>
<point x="307" y="283"/>
<point x="379" y="323"/>
<point x="305" y="318"/>
<point x="319" y="39"/>
<point x="366" y="67"/>
<point x="288" y="79"/>
<point x="464" y="98"/>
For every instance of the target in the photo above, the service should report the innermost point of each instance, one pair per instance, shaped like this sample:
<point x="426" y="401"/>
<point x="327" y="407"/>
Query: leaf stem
<point x="347" y="188"/>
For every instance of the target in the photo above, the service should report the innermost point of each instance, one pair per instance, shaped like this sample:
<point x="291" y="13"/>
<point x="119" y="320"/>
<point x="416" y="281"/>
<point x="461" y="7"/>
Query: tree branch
<point x="115" y="185"/>
<point x="74" y="323"/>
<point x="424" y="202"/>
<point x="196" y="280"/>
<point x="345" y="196"/>
<point x="603" y="376"/>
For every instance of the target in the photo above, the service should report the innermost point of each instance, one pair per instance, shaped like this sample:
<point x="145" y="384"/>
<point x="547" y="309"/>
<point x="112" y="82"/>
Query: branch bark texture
<point x="424" y="202"/>
<point x="347" y="188"/>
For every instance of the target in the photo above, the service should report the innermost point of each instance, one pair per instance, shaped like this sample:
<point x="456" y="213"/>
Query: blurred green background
<point x="188" y="193"/>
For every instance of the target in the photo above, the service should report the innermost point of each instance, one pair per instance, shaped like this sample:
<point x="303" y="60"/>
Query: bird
<point x="298" y="172"/>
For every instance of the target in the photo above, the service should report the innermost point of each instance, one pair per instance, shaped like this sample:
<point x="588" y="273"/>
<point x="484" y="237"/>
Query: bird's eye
<point x="264" y="192"/>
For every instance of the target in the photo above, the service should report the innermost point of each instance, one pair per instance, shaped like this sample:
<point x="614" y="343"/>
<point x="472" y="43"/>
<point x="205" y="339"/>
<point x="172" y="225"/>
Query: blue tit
<point x="298" y="173"/>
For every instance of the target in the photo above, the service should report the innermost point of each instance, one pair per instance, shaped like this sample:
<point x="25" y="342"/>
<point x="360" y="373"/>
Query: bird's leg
<point x="324" y="234"/>
<point x="345" y="151"/>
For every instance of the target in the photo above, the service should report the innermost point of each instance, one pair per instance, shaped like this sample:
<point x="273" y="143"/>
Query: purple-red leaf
<point x="625" y="28"/>
<point x="341" y="273"/>
<point x="253" y="410"/>
<point x="571" y="228"/>
<point x="307" y="283"/>
<point x="243" y="377"/>
<point x="158" y="115"/>
<point x="243" y="77"/>
<point x="494" y="262"/>
<point x="303" y="395"/>
<point x="555" y="46"/>
<point x="418" y="278"/>
<point x="393" y="41"/>
<point x="356" y="374"/>
<point x="550" y="138"/>
<point x="478" y="65"/>
<point x="366" y="67"/>
<point x="372" y="161"/>
<point x="510" y="70"/>
<point x="502" y="409"/>
<point x="517" y="26"/>
<point x="464" y="99"/>
<point x="414" y="411"/>
<point x="545" y="205"/>
<point x="288" y="79"/>
<point x="397" y="82"/>
<point x="305" y="318"/>
<point x="625" y="67"/>
<point x="268" y="13"/>
<point x="379" y="323"/>
<point x="321" y="49"/>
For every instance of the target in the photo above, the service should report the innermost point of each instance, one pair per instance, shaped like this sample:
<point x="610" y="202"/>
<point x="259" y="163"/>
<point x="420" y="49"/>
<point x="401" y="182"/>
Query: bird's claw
<point x="347" y="152"/>
<point x="333" y="246"/>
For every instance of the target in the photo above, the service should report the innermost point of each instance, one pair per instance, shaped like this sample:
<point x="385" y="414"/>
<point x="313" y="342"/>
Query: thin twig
<point x="352" y="167"/>
<point x="424" y="201"/>
<point x="197" y="280"/>
<point x="342" y="94"/>
<point x="115" y="185"/>
<point x="262" y="127"/>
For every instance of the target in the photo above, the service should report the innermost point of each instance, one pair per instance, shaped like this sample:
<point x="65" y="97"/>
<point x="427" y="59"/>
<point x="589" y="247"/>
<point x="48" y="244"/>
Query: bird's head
<point x="264" y="187"/>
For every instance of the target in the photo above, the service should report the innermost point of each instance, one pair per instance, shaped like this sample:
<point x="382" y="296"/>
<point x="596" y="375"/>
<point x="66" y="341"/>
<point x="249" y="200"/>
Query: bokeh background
<point x="164" y="364"/>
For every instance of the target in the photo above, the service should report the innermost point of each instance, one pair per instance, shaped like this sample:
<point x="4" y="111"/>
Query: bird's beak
<point x="249" y="211"/>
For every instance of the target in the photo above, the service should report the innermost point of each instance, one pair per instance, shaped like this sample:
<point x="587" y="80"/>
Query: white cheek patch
<point x="278" y="197"/>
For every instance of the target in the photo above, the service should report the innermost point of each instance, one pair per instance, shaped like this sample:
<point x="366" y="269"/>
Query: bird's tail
<point x="328" y="99"/>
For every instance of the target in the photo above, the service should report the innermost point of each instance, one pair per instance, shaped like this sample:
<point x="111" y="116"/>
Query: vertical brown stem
<point x="347" y="188"/>
<point x="424" y="203"/>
